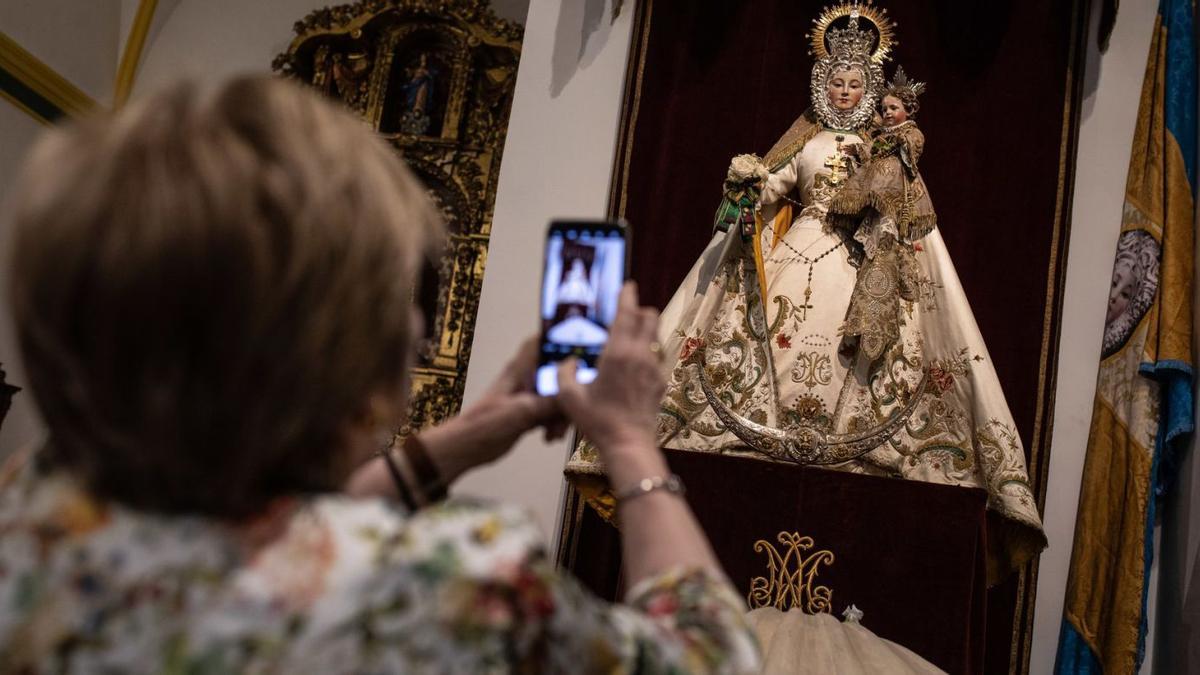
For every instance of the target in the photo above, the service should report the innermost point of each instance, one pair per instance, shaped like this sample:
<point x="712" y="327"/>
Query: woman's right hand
<point x="618" y="410"/>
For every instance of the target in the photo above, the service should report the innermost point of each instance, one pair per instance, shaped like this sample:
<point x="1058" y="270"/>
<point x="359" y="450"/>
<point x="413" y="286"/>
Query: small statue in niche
<point x="347" y="77"/>
<point x="418" y="94"/>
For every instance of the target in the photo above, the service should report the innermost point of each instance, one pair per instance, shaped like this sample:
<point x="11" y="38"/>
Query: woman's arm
<point x="618" y="413"/>
<point x="681" y="614"/>
<point x="481" y="433"/>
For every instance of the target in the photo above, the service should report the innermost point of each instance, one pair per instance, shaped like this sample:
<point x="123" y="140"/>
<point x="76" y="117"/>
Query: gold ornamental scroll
<point x="435" y="78"/>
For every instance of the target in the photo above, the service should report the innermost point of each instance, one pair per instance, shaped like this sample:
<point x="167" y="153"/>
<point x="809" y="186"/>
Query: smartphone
<point x="585" y="265"/>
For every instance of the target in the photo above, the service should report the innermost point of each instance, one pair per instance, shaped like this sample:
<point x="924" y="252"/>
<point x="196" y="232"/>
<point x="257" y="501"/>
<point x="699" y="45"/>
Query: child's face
<point x="893" y="111"/>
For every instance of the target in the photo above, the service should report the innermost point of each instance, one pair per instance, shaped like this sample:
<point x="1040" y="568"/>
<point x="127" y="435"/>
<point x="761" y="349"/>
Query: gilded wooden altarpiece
<point x="435" y="78"/>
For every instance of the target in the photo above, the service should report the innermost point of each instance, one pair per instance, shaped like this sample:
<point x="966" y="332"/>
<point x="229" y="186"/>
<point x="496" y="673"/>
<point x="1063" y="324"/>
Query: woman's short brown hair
<point x="207" y="286"/>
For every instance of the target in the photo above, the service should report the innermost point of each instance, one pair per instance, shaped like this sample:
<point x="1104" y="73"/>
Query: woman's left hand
<point x="487" y="429"/>
<point x="480" y="434"/>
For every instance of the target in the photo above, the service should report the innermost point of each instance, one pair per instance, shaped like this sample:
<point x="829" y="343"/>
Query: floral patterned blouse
<point x="328" y="584"/>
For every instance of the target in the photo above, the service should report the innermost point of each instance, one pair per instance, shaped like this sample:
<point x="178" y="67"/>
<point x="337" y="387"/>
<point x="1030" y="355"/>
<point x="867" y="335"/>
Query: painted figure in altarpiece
<point x="825" y="324"/>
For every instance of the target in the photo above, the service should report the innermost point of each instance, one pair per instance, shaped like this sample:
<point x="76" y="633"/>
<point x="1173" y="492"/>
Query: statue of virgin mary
<point x="756" y="360"/>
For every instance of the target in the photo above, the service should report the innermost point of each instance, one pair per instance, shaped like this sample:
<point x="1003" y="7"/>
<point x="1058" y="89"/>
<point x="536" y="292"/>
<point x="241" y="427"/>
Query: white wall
<point x="214" y="39"/>
<point x="557" y="163"/>
<point x="21" y="426"/>
<point x="1112" y="84"/>
<point x="76" y="39"/>
<point x="79" y="41"/>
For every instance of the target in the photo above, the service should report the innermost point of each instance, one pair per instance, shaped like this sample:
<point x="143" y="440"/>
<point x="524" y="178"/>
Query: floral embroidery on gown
<point x="350" y="586"/>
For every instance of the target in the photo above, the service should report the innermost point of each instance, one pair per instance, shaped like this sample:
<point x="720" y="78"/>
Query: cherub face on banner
<point x="845" y="89"/>
<point x="1134" y="286"/>
<point x="1124" y="285"/>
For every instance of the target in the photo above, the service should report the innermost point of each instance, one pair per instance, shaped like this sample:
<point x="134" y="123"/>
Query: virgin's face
<point x="893" y="111"/>
<point x="845" y="89"/>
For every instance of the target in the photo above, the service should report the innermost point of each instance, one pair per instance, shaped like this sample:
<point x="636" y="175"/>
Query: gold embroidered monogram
<point x="790" y="582"/>
<point x="812" y="369"/>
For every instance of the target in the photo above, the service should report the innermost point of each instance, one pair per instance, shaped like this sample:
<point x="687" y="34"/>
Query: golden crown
<point x="901" y="83"/>
<point x="851" y="40"/>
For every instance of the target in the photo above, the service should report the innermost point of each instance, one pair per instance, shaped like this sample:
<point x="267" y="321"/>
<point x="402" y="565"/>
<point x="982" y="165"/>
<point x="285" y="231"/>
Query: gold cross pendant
<point x="805" y="306"/>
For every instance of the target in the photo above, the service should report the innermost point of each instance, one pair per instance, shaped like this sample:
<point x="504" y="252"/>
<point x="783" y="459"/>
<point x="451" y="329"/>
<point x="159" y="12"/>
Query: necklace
<point x="811" y="262"/>
<point x="793" y="202"/>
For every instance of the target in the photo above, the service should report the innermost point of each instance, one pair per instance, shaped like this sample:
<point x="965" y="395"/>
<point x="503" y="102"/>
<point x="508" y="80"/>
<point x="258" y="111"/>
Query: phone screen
<point x="581" y="283"/>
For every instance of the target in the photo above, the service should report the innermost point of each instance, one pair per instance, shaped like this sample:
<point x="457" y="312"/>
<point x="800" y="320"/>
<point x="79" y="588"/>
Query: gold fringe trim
<point x="845" y="211"/>
<point x="1010" y="544"/>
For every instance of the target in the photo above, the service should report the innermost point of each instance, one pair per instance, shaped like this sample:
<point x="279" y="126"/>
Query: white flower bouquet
<point x="747" y="169"/>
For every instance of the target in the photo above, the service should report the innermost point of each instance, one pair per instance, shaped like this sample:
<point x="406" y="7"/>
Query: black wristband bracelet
<point x="402" y="490"/>
<point x="429" y="481"/>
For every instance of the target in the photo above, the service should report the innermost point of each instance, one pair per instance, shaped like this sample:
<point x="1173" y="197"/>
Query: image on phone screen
<point x="584" y="271"/>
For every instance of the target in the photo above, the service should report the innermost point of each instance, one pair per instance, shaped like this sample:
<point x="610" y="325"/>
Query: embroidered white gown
<point x="931" y="408"/>
<point x="803" y="328"/>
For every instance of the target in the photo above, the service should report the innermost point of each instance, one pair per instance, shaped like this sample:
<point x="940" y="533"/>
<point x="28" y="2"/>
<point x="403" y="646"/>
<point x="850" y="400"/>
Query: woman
<point x="212" y="292"/>
<point x="779" y="356"/>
